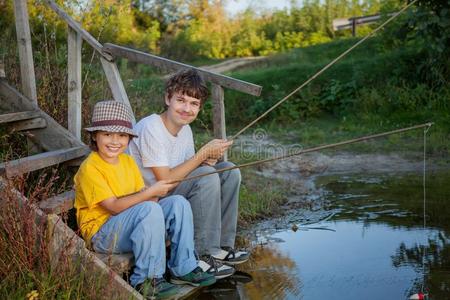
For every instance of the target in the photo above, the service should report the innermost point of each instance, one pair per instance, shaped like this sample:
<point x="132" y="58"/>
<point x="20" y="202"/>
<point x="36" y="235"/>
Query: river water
<point x="368" y="242"/>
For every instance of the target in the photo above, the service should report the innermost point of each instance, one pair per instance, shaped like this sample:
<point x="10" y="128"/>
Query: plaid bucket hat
<point x="111" y="116"/>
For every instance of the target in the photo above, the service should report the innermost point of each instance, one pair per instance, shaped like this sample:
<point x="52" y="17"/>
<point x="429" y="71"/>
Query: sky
<point x="236" y="6"/>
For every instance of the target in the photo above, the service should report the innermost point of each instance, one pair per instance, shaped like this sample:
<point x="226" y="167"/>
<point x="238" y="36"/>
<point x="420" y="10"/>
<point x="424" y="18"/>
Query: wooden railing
<point x="108" y="55"/>
<point x="351" y="23"/>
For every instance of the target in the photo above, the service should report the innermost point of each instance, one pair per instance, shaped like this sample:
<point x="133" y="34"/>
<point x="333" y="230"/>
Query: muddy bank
<point x="306" y="202"/>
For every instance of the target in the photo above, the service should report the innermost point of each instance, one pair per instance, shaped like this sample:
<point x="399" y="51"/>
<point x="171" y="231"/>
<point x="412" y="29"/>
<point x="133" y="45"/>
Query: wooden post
<point x="25" y="52"/>
<point x="74" y="43"/>
<point x="115" y="83"/>
<point x="219" y="114"/>
<point x="354" y="27"/>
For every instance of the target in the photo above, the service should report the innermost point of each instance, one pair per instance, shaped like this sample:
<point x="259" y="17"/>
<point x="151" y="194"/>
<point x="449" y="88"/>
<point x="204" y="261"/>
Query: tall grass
<point x="25" y="263"/>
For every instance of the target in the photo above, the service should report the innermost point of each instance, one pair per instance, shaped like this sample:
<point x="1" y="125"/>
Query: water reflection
<point x="375" y="248"/>
<point x="432" y="261"/>
<point x="271" y="275"/>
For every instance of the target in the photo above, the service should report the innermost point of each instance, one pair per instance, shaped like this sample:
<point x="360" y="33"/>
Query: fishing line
<point x="423" y="293"/>
<point x="324" y="69"/>
<point x="425" y="131"/>
<point x="327" y="146"/>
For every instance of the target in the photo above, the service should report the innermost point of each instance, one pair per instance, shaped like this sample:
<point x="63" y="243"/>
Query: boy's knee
<point x="209" y="181"/>
<point x="180" y="203"/>
<point x="234" y="174"/>
<point x="205" y="170"/>
<point x="149" y="209"/>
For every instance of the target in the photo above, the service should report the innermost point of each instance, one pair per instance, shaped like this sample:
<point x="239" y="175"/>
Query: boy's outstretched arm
<point x="212" y="150"/>
<point x="116" y="205"/>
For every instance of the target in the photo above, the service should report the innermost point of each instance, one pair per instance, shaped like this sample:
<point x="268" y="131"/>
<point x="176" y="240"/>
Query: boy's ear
<point x="166" y="99"/>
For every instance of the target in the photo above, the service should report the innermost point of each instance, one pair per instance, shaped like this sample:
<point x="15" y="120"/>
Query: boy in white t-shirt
<point x="165" y="150"/>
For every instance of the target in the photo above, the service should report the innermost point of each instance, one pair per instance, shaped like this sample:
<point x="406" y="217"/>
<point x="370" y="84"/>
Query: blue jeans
<point x="214" y="200"/>
<point x="142" y="229"/>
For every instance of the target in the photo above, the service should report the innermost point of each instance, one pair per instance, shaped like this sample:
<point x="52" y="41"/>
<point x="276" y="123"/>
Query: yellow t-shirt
<point x="97" y="180"/>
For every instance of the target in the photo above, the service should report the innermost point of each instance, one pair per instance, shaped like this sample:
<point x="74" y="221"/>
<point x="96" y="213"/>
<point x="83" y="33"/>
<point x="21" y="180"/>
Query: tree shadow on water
<point x="432" y="259"/>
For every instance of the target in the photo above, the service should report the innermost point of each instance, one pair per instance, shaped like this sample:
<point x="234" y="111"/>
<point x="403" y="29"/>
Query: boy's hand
<point x="214" y="149"/>
<point x="161" y="188"/>
<point x="210" y="162"/>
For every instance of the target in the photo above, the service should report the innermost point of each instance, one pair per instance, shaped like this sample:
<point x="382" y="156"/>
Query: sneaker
<point x="211" y="266"/>
<point x="157" y="288"/>
<point x="230" y="256"/>
<point x="195" y="278"/>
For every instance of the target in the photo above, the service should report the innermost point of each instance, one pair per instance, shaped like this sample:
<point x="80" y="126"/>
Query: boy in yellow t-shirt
<point x="116" y="213"/>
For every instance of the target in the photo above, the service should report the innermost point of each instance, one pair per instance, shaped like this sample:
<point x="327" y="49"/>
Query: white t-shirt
<point x="157" y="147"/>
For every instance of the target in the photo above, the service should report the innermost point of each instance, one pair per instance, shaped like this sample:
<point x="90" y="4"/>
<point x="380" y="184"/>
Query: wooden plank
<point x="116" y="84"/>
<point x="42" y="160"/>
<point x="164" y="63"/>
<point x="120" y="263"/>
<point x="19" y="116"/>
<point x="218" y="112"/>
<point x="75" y="26"/>
<point x="25" y="52"/>
<point x="31" y="124"/>
<point x="65" y="244"/>
<point x="74" y="43"/>
<point x="53" y="137"/>
<point x="58" y="204"/>
<point x="2" y="70"/>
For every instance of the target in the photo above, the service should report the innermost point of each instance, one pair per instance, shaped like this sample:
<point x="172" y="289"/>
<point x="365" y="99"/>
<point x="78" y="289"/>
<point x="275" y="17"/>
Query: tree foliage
<point x="193" y="28"/>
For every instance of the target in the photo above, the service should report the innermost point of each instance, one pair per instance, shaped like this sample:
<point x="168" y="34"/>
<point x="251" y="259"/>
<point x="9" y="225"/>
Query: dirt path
<point x="233" y="64"/>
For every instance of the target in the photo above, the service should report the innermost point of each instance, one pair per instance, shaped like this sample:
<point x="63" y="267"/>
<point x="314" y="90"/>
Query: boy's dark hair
<point x="93" y="144"/>
<point x="187" y="82"/>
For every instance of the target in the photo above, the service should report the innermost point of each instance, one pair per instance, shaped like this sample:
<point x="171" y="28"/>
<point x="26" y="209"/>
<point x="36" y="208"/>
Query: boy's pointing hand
<point x="214" y="149"/>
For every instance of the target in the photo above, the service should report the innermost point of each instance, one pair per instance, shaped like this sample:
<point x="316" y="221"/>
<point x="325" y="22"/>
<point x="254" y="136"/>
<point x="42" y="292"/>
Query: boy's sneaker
<point x="230" y="256"/>
<point x="211" y="266"/>
<point x="195" y="278"/>
<point x="157" y="288"/>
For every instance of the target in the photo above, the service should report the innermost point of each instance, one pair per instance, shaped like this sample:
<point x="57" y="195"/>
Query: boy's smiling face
<point x="182" y="109"/>
<point x="111" y="144"/>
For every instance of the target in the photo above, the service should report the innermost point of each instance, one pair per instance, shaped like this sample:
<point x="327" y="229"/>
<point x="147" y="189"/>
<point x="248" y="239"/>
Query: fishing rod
<point x="327" y="146"/>
<point x="324" y="69"/>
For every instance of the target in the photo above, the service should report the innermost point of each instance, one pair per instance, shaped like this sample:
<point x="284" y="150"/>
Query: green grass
<point x="360" y="95"/>
<point x="363" y="93"/>
<point x="260" y="197"/>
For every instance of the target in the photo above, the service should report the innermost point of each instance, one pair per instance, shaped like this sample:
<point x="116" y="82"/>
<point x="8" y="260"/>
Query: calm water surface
<point x="373" y="245"/>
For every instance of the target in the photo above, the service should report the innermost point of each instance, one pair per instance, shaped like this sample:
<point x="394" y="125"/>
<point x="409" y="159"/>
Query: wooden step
<point x="31" y="124"/>
<point x="120" y="263"/>
<point x="42" y="160"/>
<point x="58" y="204"/>
<point x="19" y="116"/>
<point x="53" y="137"/>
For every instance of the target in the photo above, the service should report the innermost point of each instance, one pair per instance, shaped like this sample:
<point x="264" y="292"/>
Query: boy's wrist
<point x="149" y="193"/>
<point x="201" y="155"/>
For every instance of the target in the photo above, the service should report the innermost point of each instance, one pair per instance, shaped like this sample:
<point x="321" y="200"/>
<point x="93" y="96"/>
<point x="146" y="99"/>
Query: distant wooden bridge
<point x="351" y="23"/>
<point x="19" y="111"/>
